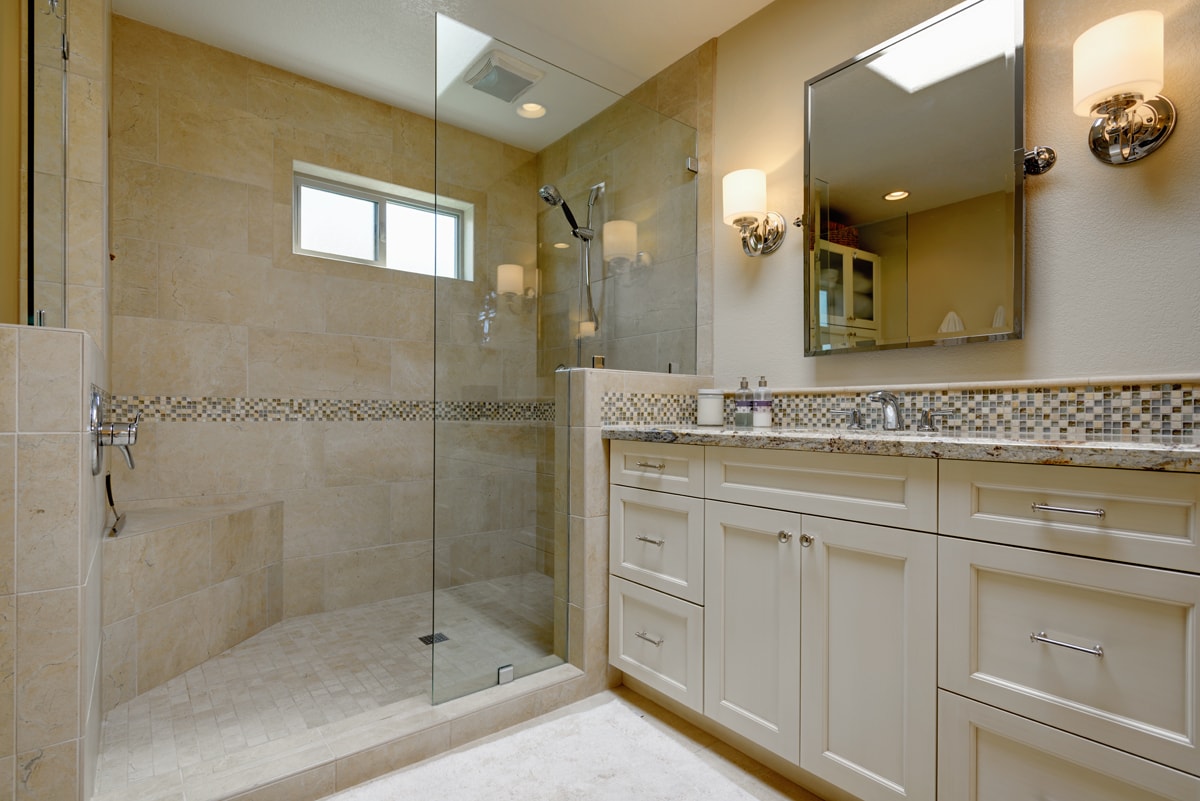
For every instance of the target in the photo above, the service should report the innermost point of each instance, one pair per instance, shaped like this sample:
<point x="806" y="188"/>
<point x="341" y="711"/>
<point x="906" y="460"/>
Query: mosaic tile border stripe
<point x="1102" y="413"/>
<point x="183" y="409"/>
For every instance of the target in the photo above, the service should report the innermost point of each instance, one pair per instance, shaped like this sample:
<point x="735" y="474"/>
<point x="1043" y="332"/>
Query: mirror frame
<point x="1017" y="206"/>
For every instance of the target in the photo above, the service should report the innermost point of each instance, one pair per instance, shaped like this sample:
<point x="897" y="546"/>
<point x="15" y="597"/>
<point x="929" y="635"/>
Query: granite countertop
<point x="1176" y="456"/>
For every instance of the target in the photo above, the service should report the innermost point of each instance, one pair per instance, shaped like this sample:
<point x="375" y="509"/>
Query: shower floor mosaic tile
<point x="309" y="672"/>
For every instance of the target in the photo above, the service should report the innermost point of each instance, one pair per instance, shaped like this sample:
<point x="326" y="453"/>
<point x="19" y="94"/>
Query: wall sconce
<point x="744" y="199"/>
<point x="619" y="239"/>
<point x="1118" y="75"/>
<point x="510" y="283"/>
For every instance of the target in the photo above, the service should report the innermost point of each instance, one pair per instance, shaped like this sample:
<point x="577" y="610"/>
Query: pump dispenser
<point x="743" y="406"/>
<point x="762" y="404"/>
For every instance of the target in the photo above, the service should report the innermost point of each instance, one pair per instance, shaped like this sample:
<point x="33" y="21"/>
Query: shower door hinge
<point x="66" y="48"/>
<point x="693" y="164"/>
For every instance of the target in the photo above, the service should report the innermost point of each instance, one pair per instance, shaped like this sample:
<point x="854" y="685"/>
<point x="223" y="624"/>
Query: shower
<point x="585" y="235"/>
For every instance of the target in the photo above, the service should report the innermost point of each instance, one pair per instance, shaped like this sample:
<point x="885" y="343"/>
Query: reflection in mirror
<point x="44" y="282"/>
<point x="913" y="172"/>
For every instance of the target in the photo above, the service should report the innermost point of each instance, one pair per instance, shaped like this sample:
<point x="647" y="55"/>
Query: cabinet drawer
<point x="888" y="490"/>
<point x="1119" y="659"/>
<point x="657" y="639"/>
<point x="657" y="539"/>
<point x="1148" y="518"/>
<point x="986" y="754"/>
<point x="657" y="466"/>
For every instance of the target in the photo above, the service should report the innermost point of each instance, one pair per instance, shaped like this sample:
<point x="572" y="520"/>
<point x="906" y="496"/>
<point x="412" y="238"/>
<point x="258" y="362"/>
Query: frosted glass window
<point x="422" y="240"/>
<point x="347" y="217"/>
<point x="338" y="224"/>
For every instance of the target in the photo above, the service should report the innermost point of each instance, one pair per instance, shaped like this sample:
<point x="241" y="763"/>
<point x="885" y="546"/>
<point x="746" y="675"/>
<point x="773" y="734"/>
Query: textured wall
<point x="1103" y="243"/>
<point x="293" y="378"/>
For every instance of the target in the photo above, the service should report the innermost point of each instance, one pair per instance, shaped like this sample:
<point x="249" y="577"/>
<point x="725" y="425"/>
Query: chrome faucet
<point x="891" y="409"/>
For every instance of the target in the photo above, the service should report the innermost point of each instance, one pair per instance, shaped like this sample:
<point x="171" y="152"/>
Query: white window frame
<point x="381" y="193"/>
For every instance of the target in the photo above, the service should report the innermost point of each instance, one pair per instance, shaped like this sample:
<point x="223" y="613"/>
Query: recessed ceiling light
<point x="899" y="194"/>
<point x="561" y="245"/>
<point x="531" y="111"/>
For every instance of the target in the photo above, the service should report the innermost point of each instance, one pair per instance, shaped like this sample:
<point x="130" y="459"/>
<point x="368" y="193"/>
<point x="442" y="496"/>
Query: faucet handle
<point x="854" y="418"/>
<point x="928" y="419"/>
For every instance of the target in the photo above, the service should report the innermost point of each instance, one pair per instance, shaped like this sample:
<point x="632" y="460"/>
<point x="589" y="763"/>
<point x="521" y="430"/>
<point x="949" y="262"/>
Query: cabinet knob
<point x="785" y="536"/>
<point x="807" y="540"/>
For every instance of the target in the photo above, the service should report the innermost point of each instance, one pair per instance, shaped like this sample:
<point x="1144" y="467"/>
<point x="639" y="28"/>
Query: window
<point x="337" y="215"/>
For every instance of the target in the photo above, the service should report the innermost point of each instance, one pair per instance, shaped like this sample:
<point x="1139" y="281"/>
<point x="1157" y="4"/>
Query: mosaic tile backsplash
<point x="1105" y="413"/>
<point x="180" y="409"/>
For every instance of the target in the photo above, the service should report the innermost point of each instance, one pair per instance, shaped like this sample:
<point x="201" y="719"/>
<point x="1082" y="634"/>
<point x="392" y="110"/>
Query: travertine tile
<point x="328" y="520"/>
<point x="50" y="364"/>
<point x="9" y="336"/>
<point x="148" y="570"/>
<point x="412" y="511"/>
<point x="172" y="638"/>
<point x="48" y="774"/>
<point x="412" y="370"/>
<point x="87" y="131"/>
<point x="134" y="119"/>
<point x="293" y="364"/>
<point x="311" y="785"/>
<point x="47" y="548"/>
<point x="8" y="642"/>
<point x="7" y="778"/>
<point x="162" y="357"/>
<point x="215" y="140"/>
<point x="118" y="657"/>
<point x="201" y="211"/>
<point x="47" y="677"/>
<point x="374" y="762"/>
<point x="8" y="511"/>
<point x="375" y="310"/>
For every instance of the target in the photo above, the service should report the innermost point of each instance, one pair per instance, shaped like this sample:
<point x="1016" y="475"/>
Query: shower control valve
<point x="122" y="436"/>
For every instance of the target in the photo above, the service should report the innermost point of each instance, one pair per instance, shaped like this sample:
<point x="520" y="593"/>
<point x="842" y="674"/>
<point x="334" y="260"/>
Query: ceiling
<point x="387" y="50"/>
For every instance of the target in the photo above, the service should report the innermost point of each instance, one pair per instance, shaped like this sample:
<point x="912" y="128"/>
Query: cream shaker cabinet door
<point x="987" y="754"/>
<point x="868" y="678"/>
<point x="752" y="624"/>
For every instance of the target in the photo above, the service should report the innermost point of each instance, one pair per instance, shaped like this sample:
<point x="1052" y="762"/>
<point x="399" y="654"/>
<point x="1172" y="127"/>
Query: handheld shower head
<point x="550" y="194"/>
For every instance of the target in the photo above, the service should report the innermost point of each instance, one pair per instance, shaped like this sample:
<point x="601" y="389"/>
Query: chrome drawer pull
<point x="643" y="635"/>
<point x="1041" y="507"/>
<point x="659" y="543"/>
<point x="1095" y="650"/>
<point x="653" y="466"/>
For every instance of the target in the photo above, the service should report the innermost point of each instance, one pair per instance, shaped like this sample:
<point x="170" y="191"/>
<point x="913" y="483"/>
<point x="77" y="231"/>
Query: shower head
<point x="550" y="194"/>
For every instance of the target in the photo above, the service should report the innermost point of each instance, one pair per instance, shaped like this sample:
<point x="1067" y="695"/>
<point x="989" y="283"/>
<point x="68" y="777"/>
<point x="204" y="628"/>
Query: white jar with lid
<point x="710" y="407"/>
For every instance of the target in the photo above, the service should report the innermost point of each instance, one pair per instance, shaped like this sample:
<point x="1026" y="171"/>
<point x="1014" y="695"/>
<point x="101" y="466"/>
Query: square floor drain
<point x="430" y="639"/>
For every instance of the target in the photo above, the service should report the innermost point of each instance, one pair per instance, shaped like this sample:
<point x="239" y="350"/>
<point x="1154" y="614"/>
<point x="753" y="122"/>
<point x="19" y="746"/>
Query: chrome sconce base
<point x="761" y="239"/>
<point x="1130" y="127"/>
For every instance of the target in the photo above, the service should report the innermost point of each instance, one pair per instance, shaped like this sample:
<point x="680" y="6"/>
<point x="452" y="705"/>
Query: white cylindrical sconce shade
<point x="1122" y="55"/>
<point x="744" y="194"/>
<point x="587" y="329"/>
<point x="510" y="279"/>
<point x="620" y="240"/>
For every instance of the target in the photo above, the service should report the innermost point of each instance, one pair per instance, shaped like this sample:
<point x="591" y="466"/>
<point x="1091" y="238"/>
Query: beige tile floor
<point x="308" y="672"/>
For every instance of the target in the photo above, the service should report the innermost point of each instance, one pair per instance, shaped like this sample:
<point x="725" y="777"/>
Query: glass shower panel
<point x="582" y="243"/>
<point x="500" y="544"/>
<point x="45" y="282"/>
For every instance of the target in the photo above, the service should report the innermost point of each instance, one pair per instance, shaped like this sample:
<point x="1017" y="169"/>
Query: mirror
<point x="936" y="113"/>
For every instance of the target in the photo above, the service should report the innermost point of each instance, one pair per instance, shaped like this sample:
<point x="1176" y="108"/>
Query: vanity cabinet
<point x="1068" y="654"/>
<point x="752" y="649"/>
<point x="818" y="605"/>
<point x="656" y="567"/>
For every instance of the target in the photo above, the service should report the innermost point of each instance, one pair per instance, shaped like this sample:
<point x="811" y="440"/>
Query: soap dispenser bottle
<point x="762" y="404"/>
<point x="743" y="406"/>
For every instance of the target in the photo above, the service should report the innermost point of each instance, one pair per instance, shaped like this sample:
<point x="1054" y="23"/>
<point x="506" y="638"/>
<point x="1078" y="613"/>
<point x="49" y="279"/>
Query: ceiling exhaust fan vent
<point x="502" y="76"/>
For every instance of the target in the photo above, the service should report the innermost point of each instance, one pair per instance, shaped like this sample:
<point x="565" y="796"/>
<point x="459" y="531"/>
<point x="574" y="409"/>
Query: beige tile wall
<point x="209" y="301"/>
<point x="165" y="571"/>
<point x="52" y="517"/>
<point x="649" y="314"/>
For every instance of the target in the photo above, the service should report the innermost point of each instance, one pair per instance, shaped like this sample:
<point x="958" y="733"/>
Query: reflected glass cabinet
<point x="846" y="296"/>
